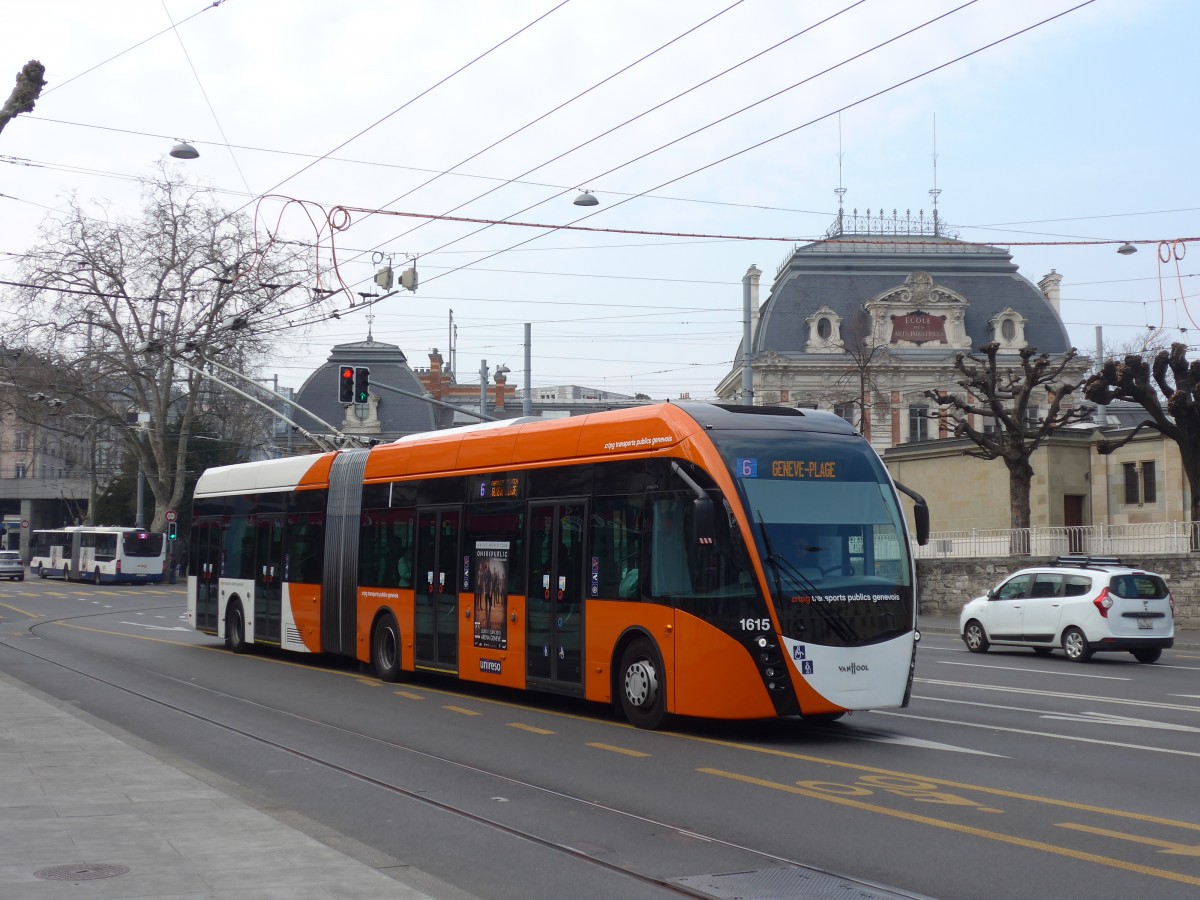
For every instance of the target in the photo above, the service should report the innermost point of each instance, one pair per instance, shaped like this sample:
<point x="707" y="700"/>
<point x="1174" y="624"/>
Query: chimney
<point x="754" y="273"/>
<point x="501" y="378"/>
<point x="1049" y="287"/>
<point x="435" y="374"/>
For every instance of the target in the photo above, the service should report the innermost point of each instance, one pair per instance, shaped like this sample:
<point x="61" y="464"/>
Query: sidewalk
<point x="1185" y="639"/>
<point x="80" y="805"/>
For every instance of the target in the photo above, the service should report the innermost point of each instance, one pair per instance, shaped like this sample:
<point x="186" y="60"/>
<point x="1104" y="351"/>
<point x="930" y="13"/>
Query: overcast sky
<point x="1079" y="130"/>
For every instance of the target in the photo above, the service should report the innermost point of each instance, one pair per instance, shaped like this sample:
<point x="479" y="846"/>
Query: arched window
<point x="824" y="328"/>
<point x="1008" y="329"/>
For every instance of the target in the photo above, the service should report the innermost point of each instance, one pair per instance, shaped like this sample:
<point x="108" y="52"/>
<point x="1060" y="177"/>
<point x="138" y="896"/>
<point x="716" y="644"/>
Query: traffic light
<point x="346" y="384"/>
<point x="361" y="384"/>
<point x="172" y="531"/>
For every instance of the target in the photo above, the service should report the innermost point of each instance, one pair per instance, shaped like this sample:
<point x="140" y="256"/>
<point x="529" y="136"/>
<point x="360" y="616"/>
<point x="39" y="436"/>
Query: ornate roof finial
<point x="840" y="190"/>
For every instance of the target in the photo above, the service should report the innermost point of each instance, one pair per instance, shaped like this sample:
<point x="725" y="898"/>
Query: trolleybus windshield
<point x="830" y="533"/>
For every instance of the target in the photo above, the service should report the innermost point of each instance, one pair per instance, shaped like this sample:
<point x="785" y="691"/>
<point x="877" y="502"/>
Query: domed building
<point x="868" y="319"/>
<point x="397" y="402"/>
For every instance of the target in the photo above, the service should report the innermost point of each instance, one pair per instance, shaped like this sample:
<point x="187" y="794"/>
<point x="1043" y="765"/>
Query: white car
<point x="11" y="566"/>
<point x="1082" y="604"/>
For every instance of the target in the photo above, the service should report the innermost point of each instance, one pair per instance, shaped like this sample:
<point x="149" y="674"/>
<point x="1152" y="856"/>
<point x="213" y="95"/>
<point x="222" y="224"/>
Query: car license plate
<point x="1145" y="624"/>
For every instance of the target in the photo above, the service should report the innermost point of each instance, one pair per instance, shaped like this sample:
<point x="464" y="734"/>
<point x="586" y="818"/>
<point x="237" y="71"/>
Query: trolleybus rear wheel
<point x="235" y="628"/>
<point x="642" y="685"/>
<point x="385" y="648"/>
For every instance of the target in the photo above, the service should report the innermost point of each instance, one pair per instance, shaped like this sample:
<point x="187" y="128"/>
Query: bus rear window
<point x="143" y="543"/>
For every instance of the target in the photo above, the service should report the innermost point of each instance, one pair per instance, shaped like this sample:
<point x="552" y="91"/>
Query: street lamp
<point x="1127" y="249"/>
<point x="586" y="198"/>
<point x="184" y="150"/>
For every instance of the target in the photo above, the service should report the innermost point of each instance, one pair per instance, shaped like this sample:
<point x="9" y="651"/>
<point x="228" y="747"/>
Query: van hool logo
<point x="854" y="668"/>
<point x="490" y="665"/>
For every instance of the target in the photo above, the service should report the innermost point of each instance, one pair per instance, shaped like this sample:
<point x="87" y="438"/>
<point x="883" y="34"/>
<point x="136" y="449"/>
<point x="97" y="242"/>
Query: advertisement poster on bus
<point x="491" y="594"/>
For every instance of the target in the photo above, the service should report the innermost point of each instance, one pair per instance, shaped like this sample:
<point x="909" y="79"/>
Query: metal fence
<point x="1089" y="540"/>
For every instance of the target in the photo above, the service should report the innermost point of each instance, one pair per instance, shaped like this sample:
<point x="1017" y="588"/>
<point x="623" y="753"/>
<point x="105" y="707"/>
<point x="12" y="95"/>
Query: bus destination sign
<point x="496" y="487"/>
<point x="792" y="469"/>
<point x="803" y="468"/>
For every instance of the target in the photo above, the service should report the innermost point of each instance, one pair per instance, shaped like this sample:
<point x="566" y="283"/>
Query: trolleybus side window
<point x="385" y="548"/>
<point x="616" y="540"/>
<point x="305" y="547"/>
<point x="237" y="560"/>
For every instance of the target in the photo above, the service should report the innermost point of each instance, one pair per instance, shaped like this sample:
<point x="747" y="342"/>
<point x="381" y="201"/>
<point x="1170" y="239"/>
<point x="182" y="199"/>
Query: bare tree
<point x="1118" y="350"/>
<point x="857" y="383"/>
<point x="1003" y="397"/>
<point x="1170" y="377"/>
<point x="30" y="81"/>
<point x="105" y="297"/>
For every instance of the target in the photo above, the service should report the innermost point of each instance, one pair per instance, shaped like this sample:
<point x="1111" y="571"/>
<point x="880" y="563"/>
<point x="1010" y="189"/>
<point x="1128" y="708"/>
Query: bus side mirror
<point x="704" y="529"/>
<point x="921" y="514"/>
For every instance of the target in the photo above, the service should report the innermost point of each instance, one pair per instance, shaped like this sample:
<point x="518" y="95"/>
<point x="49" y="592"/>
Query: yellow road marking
<point x="532" y="728"/>
<point x="639" y="754"/>
<point x="998" y="792"/>
<point x="409" y="694"/>
<point x="463" y="710"/>
<point x="962" y="829"/>
<point x="1169" y="847"/>
<point x="21" y="611"/>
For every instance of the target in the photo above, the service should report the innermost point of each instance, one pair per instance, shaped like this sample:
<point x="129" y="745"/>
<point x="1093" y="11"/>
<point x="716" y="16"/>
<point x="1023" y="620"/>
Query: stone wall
<point x="945" y="585"/>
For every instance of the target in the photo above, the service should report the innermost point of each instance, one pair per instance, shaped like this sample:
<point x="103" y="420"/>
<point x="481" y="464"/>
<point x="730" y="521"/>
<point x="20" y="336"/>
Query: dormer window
<point x="1008" y="329"/>
<point x="824" y="331"/>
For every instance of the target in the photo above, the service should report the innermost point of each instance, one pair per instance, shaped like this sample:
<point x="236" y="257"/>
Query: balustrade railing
<point x="1131" y="541"/>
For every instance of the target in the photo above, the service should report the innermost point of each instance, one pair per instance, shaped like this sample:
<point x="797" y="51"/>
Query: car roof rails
<point x="1087" y="561"/>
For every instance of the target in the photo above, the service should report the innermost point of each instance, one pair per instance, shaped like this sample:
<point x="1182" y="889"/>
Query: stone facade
<point x="946" y="585"/>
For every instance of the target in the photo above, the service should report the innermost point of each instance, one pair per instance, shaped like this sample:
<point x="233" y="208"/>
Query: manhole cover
<point x="81" y="872"/>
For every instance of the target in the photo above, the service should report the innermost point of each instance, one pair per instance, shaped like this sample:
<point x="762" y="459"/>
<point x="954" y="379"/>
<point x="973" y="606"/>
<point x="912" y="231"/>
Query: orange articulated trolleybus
<point x="730" y="562"/>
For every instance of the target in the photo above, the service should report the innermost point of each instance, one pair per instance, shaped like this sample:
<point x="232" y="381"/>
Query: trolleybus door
<point x="554" y="620"/>
<point x="206" y="550"/>
<point x="437" y="581"/>
<point x="268" y="578"/>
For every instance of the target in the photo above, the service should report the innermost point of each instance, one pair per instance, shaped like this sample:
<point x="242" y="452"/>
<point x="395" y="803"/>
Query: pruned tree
<point x="108" y="303"/>
<point x="1003" y="396"/>
<point x="30" y="81"/>
<point x="1172" y="378"/>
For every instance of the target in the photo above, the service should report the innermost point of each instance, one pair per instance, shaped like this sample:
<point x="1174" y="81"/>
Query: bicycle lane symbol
<point x="866" y="792"/>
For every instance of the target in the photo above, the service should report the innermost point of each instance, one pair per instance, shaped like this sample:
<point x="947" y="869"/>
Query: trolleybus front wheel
<point x="642" y="685"/>
<point x="385" y="648"/>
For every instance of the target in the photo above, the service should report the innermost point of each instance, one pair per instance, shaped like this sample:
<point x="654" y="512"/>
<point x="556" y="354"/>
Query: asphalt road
<point x="1010" y="775"/>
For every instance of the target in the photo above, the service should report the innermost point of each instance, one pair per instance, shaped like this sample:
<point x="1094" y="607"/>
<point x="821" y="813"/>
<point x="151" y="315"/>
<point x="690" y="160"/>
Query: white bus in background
<point x="102" y="555"/>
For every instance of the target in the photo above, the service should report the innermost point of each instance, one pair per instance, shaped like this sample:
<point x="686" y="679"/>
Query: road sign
<point x="172" y="515"/>
<point x="24" y="523"/>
